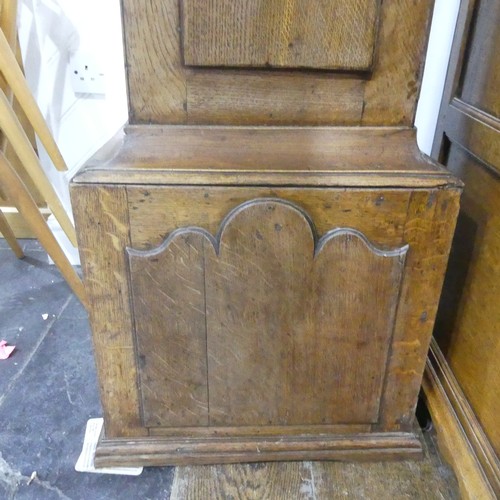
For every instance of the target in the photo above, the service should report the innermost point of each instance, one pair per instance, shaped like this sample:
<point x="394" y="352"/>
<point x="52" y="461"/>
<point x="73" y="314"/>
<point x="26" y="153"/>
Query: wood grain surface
<point x="424" y="219"/>
<point x="469" y="320"/>
<point x="278" y="389"/>
<point x="461" y="438"/>
<point x="305" y="156"/>
<point x="183" y="450"/>
<point x="163" y="90"/>
<point x="285" y="337"/>
<point x="481" y="68"/>
<point x="429" y="479"/>
<point x="271" y="33"/>
<point x="156" y="211"/>
<point x="429" y="228"/>
<point x="392" y="91"/>
<point x="216" y="97"/>
<point x="284" y="320"/>
<point x="168" y="297"/>
<point x="467" y="329"/>
<point x="101" y="215"/>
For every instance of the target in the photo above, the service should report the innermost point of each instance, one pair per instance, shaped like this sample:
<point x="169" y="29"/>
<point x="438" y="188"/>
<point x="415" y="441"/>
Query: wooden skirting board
<point x="461" y="437"/>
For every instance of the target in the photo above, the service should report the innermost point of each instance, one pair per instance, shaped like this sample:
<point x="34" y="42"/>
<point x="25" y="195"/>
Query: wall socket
<point x="87" y="76"/>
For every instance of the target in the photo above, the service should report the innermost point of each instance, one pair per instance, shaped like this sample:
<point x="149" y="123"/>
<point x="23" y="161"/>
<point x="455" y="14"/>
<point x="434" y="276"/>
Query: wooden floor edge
<point x="168" y="451"/>
<point x="461" y="438"/>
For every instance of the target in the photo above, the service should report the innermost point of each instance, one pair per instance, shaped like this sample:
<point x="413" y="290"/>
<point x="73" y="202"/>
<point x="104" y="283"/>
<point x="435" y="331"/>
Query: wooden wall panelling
<point x="457" y="56"/>
<point x="163" y="90"/>
<point x="475" y="131"/>
<point x="331" y="35"/>
<point x="101" y="213"/>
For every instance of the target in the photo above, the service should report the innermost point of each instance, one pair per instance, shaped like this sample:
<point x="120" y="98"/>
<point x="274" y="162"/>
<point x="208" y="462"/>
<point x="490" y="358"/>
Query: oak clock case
<point x="264" y="245"/>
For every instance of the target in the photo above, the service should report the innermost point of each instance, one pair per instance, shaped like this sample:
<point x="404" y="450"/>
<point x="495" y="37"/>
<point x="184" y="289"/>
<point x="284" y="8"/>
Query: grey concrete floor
<point x="48" y="391"/>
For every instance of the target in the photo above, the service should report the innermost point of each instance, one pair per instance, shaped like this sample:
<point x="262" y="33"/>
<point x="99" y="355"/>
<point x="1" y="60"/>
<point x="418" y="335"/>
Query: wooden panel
<point x="162" y="90"/>
<point x="168" y="296"/>
<point x="428" y="231"/>
<point x="219" y="97"/>
<point x="286" y="333"/>
<point x="391" y="93"/>
<point x="480" y="79"/>
<point x="273" y="356"/>
<point x="468" y="324"/>
<point x="157" y="211"/>
<point x="101" y="218"/>
<point x="332" y="34"/>
<point x="156" y="81"/>
<point x="474" y="131"/>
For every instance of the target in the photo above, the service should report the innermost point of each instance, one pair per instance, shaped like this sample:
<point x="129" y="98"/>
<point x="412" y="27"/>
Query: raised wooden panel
<point x="277" y="312"/>
<point x="168" y="297"/>
<point x="162" y="89"/>
<point x="287" y="326"/>
<point x="480" y="79"/>
<point x="327" y="34"/>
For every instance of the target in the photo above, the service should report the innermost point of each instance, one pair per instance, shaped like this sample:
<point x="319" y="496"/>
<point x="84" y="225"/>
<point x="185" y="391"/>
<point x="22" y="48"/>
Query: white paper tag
<point x="85" y="462"/>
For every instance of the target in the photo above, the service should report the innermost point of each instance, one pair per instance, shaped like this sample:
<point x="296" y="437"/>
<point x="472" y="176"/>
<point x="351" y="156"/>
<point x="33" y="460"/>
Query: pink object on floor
<point x="5" y="350"/>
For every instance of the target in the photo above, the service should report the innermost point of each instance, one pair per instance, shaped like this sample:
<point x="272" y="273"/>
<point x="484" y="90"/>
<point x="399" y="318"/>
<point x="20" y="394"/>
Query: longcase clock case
<point x="264" y="245"/>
